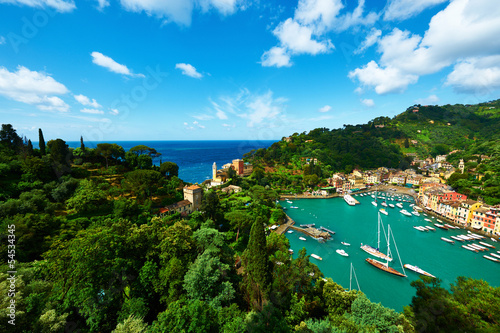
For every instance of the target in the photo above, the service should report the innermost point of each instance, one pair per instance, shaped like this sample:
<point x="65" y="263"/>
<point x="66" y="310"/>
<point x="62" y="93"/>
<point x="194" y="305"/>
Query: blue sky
<point x="236" y="69"/>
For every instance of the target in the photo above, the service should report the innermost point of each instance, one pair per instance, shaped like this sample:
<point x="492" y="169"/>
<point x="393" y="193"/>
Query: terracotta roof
<point x="179" y="204"/>
<point x="193" y="187"/>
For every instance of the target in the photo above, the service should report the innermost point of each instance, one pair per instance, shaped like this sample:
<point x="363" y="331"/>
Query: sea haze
<point x="194" y="158"/>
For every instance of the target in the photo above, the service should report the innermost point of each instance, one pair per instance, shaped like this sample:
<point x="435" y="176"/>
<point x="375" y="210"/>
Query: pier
<point x="312" y="232"/>
<point x="310" y="225"/>
<point x="327" y="230"/>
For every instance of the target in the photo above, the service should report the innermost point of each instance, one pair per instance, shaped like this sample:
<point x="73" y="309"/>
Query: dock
<point x="284" y="227"/>
<point x="312" y="232"/>
<point x="310" y="225"/>
<point x="327" y="230"/>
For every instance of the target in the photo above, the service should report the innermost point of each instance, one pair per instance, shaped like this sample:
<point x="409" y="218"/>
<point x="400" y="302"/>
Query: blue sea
<point x="194" y="158"/>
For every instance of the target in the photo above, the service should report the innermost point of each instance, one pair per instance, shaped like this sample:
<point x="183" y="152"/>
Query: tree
<point x="257" y="266"/>
<point x="41" y="142"/>
<point x="143" y="182"/>
<point x="82" y="146"/>
<point x="59" y="151"/>
<point x="407" y="143"/>
<point x="88" y="198"/>
<point x="29" y="148"/>
<point x="110" y="150"/>
<point x="239" y="219"/>
<point x="169" y="169"/>
<point x="9" y="137"/>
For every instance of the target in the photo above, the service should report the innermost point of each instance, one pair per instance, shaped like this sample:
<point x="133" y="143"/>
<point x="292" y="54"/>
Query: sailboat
<point x="385" y="266"/>
<point x="374" y="202"/>
<point x="375" y="251"/>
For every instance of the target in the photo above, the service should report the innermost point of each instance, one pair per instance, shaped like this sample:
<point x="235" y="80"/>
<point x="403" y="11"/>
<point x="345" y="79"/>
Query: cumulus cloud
<point x="108" y="63"/>
<point x="404" y="9"/>
<point x="305" y="32"/>
<point x="465" y="29"/>
<point x="92" y="111"/>
<point x="475" y="75"/>
<point x="430" y="100"/>
<point x="34" y="88"/>
<point x="325" y="108"/>
<point x="114" y="112"/>
<point x="188" y="70"/>
<point x="101" y="4"/>
<point x="84" y="100"/>
<point x="179" y="11"/>
<point x="276" y="57"/>
<point x="368" y="102"/>
<point x="59" y="5"/>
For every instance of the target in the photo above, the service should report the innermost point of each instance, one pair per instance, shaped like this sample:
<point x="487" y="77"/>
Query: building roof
<point x="192" y="187"/>
<point x="179" y="204"/>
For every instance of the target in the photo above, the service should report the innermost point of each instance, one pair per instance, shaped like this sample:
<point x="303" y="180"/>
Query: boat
<point x="441" y="226"/>
<point x="418" y="270"/>
<point x="374" y="251"/>
<point x="419" y="228"/>
<point x="448" y="240"/>
<point x="391" y="205"/>
<point x="405" y="212"/>
<point x="486" y="244"/>
<point x="457" y="238"/>
<point x="302" y="238"/>
<point x="495" y="255"/>
<point x="289" y="201"/>
<point x="428" y="220"/>
<point x="374" y="203"/>
<point x="469" y="248"/>
<point x="493" y="239"/>
<point x="290" y="251"/>
<point x="451" y="226"/>
<point x="415" y="213"/>
<point x="492" y="259"/>
<point x="342" y="253"/>
<point x="315" y="256"/>
<point x="344" y="243"/>
<point x="430" y="228"/>
<point x="350" y="200"/>
<point x="383" y="211"/>
<point x="290" y="231"/>
<point x="383" y="204"/>
<point x="399" y="205"/>
<point x="294" y="207"/>
<point x="385" y="266"/>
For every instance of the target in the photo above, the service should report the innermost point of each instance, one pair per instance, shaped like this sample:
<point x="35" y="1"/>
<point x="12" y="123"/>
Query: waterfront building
<point x="466" y="211"/>
<point x="435" y="195"/>
<point x="398" y="178"/>
<point x="414" y="180"/>
<point x="371" y="178"/>
<point x="485" y="218"/>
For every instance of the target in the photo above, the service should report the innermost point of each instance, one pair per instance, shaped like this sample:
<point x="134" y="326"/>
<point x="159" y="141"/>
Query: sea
<point x="358" y="224"/>
<point x="194" y="158"/>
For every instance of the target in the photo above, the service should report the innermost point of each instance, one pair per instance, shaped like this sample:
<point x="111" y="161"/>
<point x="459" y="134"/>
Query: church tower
<point x="193" y="193"/>
<point x="461" y="166"/>
<point x="214" y="172"/>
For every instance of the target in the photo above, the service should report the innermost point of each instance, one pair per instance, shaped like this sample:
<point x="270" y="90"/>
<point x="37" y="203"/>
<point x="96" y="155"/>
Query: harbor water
<point x="358" y="224"/>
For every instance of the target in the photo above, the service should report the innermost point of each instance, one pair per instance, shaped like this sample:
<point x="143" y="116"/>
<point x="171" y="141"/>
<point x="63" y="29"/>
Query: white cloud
<point x="325" y="108"/>
<point x="34" y="88"/>
<point x="368" y="102"/>
<point x="298" y="38"/>
<point x="318" y="13"/>
<point x="92" y="111"/>
<point x="476" y="75"/>
<point x="197" y="124"/>
<point x="276" y="56"/>
<point x="114" y="112"/>
<point x="404" y="9"/>
<point x="59" y="5"/>
<point x="188" y="70"/>
<point x="356" y="18"/>
<point x="2" y="40"/>
<point x="106" y="62"/>
<point x="84" y="100"/>
<point x="102" y="4"/>
<point x="203" y="117"/>
<point x="465" y="29"/>
<point x="384" y="80"/>
<point x="262" y="109"/>
<point x="370" y="39"/>
<point x="430" y="100"/>
<point x="179" y="11"/>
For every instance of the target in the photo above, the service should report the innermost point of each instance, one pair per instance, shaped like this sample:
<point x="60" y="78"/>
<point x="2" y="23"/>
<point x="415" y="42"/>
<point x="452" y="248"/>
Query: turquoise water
<point x="358" y="224"/>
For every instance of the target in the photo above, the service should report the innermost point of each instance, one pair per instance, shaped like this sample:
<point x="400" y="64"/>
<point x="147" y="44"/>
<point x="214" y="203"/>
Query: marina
<point x="358" y="225"/>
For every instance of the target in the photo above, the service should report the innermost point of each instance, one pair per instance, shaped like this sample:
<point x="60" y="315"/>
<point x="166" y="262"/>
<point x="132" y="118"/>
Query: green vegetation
<point x="92" y="255"/>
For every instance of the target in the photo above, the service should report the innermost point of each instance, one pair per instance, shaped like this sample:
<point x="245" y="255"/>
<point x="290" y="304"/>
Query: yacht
<point x="383" y="211"/>
<point x="418" y="270"/>
<point x="349" y="199"/>
<point x="405" y="212"/>
<point x="315" y="256"/>
<point x="342" y="253"/>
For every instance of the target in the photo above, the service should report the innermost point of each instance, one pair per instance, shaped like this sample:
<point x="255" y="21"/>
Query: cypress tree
<point x="257" y="265"/>
<point x="41" y="142"/>
<point x="82" y="146"/>
<point x="30" y="148"/>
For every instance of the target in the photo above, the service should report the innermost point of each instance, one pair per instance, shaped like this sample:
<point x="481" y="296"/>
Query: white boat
<point x="289" y="201"/>
<point x="342" y="253"/>
<point x="451" y="226"/>
<point x="448" y="240"/>
<point x="418" y="270"/>
<point x="374" y="251"/>
<point x="495" y="255"/>
<point x="430" y="228"/>
<point x="383" y="204"/>
<point x="315" y="256"/>
<point x="469" y="248"/>
<point x="486" y="244"/>
<point x="493" y="239"/>
<point x="405" y="212"/>
<point x="344" y="243"/>
<point x="302" y="238"/>
<point x="391" y="205"/>
<point x="415" y="213"/>
<point x="290" y="231"/>
<point x="383" y="211"/>
<point x="457" y="238"/>
<point x="419" y="228"/>
<point x="294" y="207"/>
<point x="350" y="200"/>
<point x="492" y="259"/>
<point x="399" y="205"/>
<point x="374" y="203"/>
<point x="385" y="266"/>
<point x="428" y="220"/>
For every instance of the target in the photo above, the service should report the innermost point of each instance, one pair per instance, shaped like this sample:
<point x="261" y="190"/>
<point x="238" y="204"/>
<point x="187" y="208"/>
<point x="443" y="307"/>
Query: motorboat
<point x="342" y="253"/>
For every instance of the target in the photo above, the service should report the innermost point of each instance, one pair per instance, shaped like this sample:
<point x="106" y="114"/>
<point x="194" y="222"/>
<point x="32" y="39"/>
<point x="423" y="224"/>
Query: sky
<point x="112" y="70"/>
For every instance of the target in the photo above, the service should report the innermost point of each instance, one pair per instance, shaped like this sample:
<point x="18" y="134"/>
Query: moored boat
<point x="486" y="244"/>
<point x="391" y="205"/>
<point x="302" y="238"/>
<point x="492" y="259"/>
<point x="418" y="270"/>
<point x="374" y="203"/>
<point x="457" y="238"/>
<point x="315" y="256"/>
<point x="419" y="228"/>
<point x="399" y="205"/>
<point x="495" y="255"/>
<point x="447" y="240"/>
<point x="383" y="204"/>
<point x="493" y="239"/>
<point x="469" y="248"/>
<point x="415" y="213"/>
<point x="384" y="267"/>
<point x="342" y="253"/>
<point x="383" y="211"/>
<point x="405" y="212"/>
<point x="441" y="226"/>
<point x="344" y="243"/>
<point x="430" y="228"/>
<point x="350" y="200"/>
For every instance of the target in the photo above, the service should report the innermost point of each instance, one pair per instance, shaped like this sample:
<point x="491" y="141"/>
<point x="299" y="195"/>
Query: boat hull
<point x="383" y="267"/>
<point x="374" y="252"/>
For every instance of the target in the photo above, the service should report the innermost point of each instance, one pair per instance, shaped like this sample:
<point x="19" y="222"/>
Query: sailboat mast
<point x="378" y="234"/>
<point x="350" y="278"/>
<point x="388" y="242"/>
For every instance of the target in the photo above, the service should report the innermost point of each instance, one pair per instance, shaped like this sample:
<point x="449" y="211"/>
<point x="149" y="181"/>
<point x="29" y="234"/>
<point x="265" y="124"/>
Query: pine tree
<point x="41" y="142"/>
<point x="82" y="146"/>
<point x="258" y="278"/>
<point x="30" y="148"/>
<point x="407" y="144"/>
